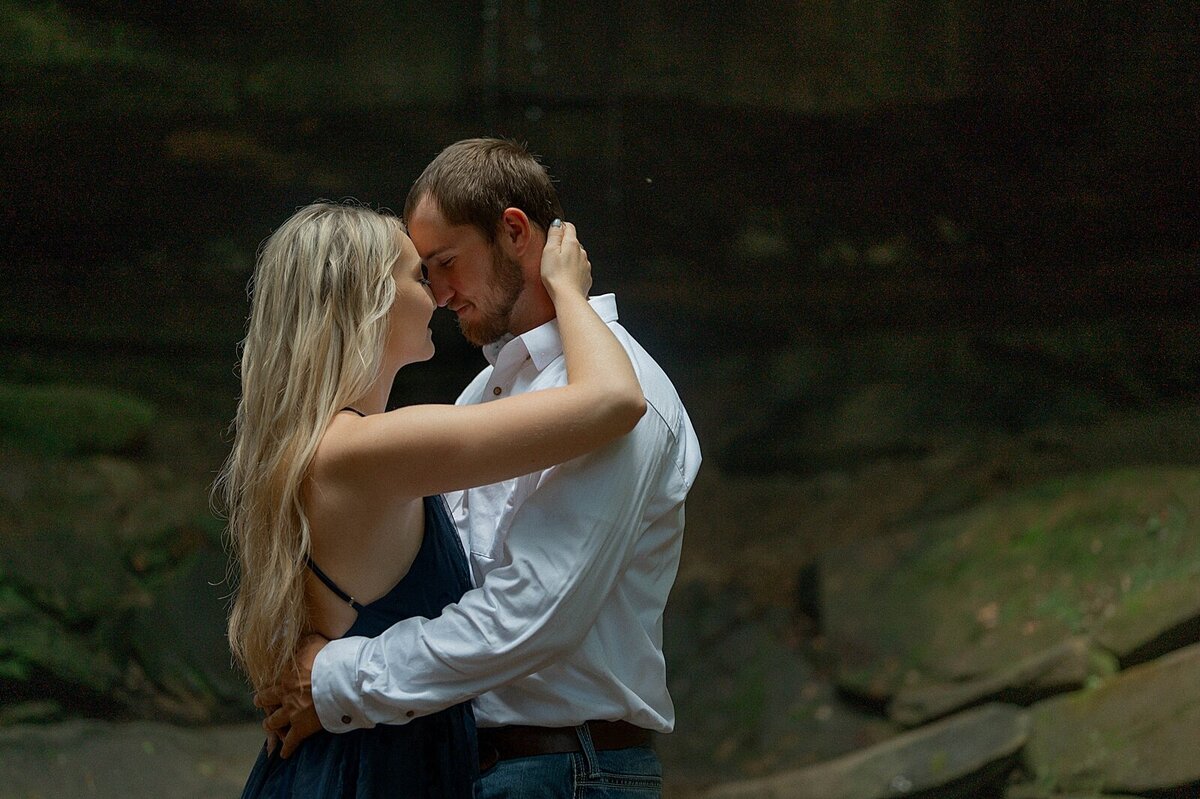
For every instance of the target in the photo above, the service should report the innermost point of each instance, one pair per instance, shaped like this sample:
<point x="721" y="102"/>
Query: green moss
<point x="1012" y="577"/>
<point x="72" y="420"/>
<point x="748" y="702"/>
<point x="33" y="641"/>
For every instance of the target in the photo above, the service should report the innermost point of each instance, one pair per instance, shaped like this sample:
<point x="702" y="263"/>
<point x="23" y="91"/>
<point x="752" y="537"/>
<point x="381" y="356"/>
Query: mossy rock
<point x="1136" y="733"/>
<point x="1027" y="790"/>
<point x="59" y="519"/>
<point x="72" y="420"/>
<point x="35" y="645"/>
<point x="85" y="537"/>
<point x="982" y="591"/>
<point x="72" y="578"/>
<point x="831" y="406"/>
<point x="180" y="642"/>
<point x="967" y="755"/>
<point x="88" y="543"/>
<point x="749" y="699"/>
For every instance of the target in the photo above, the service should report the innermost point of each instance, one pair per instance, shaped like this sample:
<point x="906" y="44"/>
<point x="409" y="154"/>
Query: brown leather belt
<point x="518" y="740"/>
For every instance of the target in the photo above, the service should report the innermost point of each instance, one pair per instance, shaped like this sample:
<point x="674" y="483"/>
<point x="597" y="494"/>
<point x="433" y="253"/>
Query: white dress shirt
<point x="573" y="566"/>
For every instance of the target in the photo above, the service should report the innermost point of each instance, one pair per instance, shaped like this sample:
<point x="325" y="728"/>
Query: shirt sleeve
<point x="564" y="552"/>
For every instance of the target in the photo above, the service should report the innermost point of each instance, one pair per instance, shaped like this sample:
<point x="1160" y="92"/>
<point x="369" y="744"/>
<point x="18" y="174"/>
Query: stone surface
<point x="139" y="760"/>
<point x="966" y="755"/>
<point x="747" y="698"/>
<point x="1137" y="733"/>
<point x="1061" y="668"/>
<point x="977" y="594"/>
<point x="1027" y="790"/>
<point x="55" y="520"/>
<point x="899" y="395"/>
<point x="78" y="532"/>
<point x="180" y="642"/>
<point x="98" y="563"/>
<point x="1163" y="619"/>
<point x="35" y="647"/>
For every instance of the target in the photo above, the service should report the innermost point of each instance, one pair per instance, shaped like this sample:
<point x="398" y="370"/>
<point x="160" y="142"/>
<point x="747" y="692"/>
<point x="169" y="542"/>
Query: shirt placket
<point x="514" y="361"/>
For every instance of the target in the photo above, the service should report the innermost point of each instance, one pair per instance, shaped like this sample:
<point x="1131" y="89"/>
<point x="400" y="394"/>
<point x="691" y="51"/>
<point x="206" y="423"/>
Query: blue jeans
<point x="617" y="774"/>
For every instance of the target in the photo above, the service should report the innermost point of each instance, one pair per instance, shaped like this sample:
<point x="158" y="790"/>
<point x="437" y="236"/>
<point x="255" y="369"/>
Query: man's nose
<point x="441" y="290"/>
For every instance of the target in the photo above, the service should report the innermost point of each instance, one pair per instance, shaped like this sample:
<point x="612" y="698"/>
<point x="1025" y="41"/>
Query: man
<point x="560" y="644"/>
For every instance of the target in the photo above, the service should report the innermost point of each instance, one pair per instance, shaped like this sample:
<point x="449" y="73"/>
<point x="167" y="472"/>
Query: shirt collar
<point x="543" y="343"/>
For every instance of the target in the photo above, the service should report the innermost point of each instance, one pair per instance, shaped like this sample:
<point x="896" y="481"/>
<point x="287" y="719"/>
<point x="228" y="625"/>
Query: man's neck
<point x="533" y="309"/>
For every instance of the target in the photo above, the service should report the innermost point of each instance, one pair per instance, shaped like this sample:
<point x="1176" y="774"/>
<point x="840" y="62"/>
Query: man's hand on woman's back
<point x="291" y="715"/>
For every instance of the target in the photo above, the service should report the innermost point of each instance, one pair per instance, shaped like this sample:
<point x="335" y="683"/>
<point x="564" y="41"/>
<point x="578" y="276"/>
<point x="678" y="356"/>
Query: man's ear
<point x="516" y="232"/>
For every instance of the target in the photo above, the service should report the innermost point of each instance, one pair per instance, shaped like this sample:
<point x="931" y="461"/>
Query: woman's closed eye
<point x="424" y="278"/>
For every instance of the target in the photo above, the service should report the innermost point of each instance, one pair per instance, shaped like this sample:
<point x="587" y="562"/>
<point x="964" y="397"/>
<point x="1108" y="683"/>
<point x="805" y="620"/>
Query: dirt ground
<point x="136" y="760"/>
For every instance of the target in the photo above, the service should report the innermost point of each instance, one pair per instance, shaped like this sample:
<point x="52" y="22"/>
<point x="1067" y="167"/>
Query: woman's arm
<point x="429" y="449"/>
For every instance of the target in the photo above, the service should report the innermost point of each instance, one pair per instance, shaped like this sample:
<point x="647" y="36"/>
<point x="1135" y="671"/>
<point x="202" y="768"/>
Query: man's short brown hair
<point x="474" y="180"/>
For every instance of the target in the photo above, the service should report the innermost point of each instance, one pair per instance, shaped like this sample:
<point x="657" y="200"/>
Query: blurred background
<point x="924" y="272"/>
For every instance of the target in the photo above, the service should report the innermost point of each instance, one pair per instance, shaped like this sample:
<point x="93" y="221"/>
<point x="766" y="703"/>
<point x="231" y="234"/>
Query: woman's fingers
<point x="564" y="261"/>
<point x="554" y="235"/>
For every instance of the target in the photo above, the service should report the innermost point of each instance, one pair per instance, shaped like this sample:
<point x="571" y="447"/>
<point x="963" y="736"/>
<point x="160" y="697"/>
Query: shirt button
<point x="410" y="714"/>
<point x="346" y="719"/>
<point x="496" y="391"/>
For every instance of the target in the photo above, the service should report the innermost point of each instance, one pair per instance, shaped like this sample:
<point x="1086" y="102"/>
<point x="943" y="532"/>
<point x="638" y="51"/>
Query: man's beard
<point x="494" y="320"/>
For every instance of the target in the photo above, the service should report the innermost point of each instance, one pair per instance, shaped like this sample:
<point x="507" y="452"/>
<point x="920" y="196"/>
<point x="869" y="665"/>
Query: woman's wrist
<point x="563" y="290"/>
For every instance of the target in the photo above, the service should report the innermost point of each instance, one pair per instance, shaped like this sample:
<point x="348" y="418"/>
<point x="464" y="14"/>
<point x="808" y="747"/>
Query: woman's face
<point x="409" y="337"/>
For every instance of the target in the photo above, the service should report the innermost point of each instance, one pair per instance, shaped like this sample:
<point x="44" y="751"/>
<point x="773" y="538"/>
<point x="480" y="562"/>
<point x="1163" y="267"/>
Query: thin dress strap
<point x="354" y="410"/>
<point x="332" y="586"/>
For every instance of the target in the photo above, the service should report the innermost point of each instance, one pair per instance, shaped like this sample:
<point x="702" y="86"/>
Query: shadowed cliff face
<point x="967" y="215"/>
<point x="1022" y="156"/>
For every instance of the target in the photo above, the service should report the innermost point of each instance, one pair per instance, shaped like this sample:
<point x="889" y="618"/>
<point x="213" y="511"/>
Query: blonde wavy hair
<point x="320" y="298"/>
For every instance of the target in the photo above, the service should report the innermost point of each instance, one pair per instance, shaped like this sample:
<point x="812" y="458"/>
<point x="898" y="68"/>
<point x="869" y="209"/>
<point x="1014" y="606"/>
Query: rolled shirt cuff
<point x="335" y="686"/>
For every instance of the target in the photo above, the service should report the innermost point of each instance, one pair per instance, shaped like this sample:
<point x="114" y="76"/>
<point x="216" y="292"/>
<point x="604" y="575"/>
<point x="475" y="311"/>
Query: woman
<point x="334" y="513"/>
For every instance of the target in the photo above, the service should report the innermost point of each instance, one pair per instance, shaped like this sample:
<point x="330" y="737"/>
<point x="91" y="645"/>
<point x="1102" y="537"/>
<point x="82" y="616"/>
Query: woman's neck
<point x="375" y="399"/>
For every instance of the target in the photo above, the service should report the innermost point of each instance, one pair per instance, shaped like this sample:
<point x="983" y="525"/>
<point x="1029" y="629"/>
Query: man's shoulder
<point x="664" y="407"/>
<point x="660" y="392"/>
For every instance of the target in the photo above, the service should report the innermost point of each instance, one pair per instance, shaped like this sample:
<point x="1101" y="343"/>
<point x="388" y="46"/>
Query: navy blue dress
<point x="432" y="756"/>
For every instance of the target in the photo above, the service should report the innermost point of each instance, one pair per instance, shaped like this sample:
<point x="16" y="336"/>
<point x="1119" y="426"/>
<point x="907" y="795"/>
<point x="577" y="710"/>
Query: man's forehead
<point x="432" y="235"/>
<point x="427" y="230"/>
<point x="426" y="211"/>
